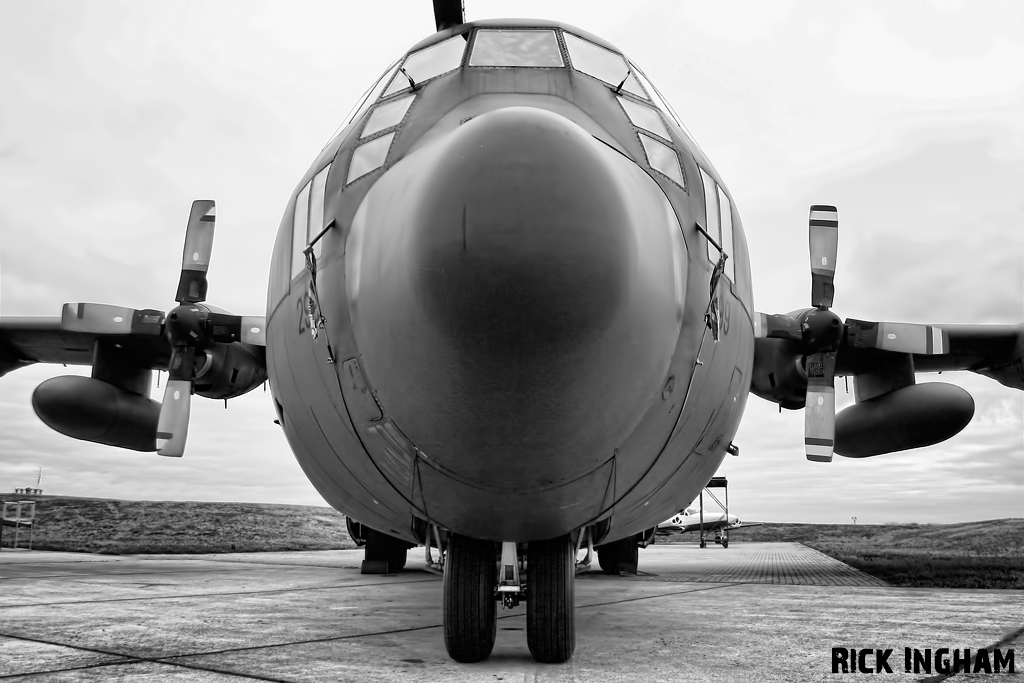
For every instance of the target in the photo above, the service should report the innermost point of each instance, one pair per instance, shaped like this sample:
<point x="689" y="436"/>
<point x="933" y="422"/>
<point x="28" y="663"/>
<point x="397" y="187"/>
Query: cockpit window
<point x="495" y="47"/>
<point x="644" y="117"/>
<point x="368" y="98"/>
<point x="660" y="102"/>
<point x="369" y="156"/>
<point x="602" y="64"/>
<point x="386" y="115"/>
<point x="662" y="158"/>
<point x="655" y="96"/>
<point x="427" y="63"/>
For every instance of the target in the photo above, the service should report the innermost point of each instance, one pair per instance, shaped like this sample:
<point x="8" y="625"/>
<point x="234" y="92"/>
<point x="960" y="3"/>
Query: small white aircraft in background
<point x="690" y="520"/>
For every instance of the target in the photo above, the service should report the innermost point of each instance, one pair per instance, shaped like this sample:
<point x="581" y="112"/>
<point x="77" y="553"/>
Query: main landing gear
<point x="383" y="554"/>
<point x="619" y="557"/>
<point x="472" y="591"/>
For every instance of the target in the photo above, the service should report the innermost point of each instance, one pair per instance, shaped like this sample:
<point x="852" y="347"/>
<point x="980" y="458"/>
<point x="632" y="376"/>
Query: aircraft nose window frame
<point x="714" y="227"/>
<point x="661" y="103"/>
<point x="725" y="214"/>
<point x="388" y="114"/>
<point x="602" y="64"/>
<point x="520" y="47"/>
<point x="426" y="64"/>
<point x="368" y="98"/>
<point x="369" y="156"/>
<point x="645" y="117"/>
<point x="662" y="158"/>
<point x="308" y="219"/>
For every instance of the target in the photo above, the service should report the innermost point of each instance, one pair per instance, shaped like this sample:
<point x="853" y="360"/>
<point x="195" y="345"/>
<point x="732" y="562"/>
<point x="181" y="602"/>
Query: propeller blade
<point x="108" y="319"/>
<point x="195" y="258"/>
<point x="927" y="340"/>
<point x="248" y="329"/>
<point x="777" y="327"/>
<point x="172" y="426"/>
<point x="820" y="407"/>
<point x="254" y="330"/>
<point x="448" y="13"/>
<point x="823" y="227"/>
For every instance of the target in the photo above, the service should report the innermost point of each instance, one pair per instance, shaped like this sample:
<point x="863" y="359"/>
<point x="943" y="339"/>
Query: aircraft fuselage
<point x="508" y="333"/>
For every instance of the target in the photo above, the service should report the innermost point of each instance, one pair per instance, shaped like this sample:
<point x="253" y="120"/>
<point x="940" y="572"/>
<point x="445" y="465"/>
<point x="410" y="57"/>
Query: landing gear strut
<point x="551" y="602"/>
<point x="470" y="610"/>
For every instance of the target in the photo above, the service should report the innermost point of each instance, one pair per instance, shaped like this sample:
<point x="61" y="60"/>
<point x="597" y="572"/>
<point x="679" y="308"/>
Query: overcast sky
<point x="907" y="116"/>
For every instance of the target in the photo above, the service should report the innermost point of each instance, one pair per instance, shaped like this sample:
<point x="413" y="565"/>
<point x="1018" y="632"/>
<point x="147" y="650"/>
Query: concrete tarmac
<point x="752" y="612"/>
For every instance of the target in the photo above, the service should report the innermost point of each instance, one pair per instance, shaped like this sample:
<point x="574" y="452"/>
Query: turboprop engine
<point x="797" y="357"/>
<point x="205" y="351"/>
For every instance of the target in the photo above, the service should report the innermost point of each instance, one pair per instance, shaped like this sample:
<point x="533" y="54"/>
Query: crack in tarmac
<point x="167" y="660"/>
<point x="211" y="595"/>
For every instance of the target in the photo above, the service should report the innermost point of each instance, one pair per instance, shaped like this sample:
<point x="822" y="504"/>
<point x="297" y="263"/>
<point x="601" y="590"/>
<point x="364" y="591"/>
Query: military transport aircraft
<point x="510" y="312"/>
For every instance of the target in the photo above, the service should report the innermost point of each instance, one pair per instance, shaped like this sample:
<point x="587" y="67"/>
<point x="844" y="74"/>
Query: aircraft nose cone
<point x="516" y="292"/>
<point x="523" y="253"/>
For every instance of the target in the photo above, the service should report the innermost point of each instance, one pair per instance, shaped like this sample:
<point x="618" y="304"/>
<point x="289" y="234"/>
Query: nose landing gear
<point x="472" y="590"/>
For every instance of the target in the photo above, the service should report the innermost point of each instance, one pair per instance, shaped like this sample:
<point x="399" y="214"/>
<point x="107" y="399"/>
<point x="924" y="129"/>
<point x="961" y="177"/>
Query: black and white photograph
<point x="492" y="340"/>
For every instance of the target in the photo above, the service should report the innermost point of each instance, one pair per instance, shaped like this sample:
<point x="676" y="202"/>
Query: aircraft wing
<point x="996" y="351"/>
<point x="742" y="525"/>
<point x="28" y="340"/>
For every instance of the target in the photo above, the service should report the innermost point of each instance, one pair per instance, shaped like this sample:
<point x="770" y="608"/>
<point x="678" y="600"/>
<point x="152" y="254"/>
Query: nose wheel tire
<point x="470" y="611"/>
<point x="551" y="605"/>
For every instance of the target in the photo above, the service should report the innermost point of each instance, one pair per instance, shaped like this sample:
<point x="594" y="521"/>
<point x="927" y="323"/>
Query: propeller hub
<point x="822" y="330"/>
<point x="185" y="326"/>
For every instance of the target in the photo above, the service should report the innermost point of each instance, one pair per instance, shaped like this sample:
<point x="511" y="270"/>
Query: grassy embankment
<point x="987" y="554"/>
<point x="97" y="525"/>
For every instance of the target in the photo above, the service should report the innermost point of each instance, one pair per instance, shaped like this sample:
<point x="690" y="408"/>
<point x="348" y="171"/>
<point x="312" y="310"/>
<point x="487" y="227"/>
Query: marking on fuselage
<point x="366" y="407"/>
<point x="299" y="304"/>
<point x="395" y="459"/>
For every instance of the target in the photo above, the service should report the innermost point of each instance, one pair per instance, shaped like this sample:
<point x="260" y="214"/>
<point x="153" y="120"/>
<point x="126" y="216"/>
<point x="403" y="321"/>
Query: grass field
<point x="125" y="527"/>
<point x="986" y="554"/>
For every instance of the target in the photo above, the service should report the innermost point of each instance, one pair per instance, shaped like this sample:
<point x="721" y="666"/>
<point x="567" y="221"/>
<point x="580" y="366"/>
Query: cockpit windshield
<point x="602" y="64"/>
<point x="427" y="63"/>
<point x="497" y="47"/>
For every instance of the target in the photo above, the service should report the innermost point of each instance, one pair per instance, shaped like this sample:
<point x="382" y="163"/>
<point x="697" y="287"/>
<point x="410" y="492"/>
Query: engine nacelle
<point x="92" y="410"/>
<point x="230" y="370"/>
<point x="778" y="374"/>
<point x="911" y="417"/>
